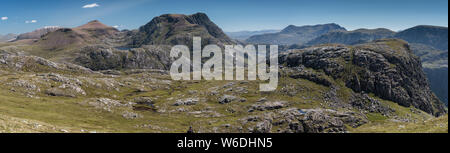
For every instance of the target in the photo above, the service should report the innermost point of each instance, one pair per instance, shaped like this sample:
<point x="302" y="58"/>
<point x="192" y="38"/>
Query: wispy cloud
<point x="31" y="21"/>
<point x="91" y="5"/>
<point x="4" y="18"/>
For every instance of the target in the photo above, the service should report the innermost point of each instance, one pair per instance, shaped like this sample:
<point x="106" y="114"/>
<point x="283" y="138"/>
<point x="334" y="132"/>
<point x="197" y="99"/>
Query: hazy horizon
<point x="248" y="15"/>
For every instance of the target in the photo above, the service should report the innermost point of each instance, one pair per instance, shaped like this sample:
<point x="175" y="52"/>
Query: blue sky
<point x="18" y="16"/>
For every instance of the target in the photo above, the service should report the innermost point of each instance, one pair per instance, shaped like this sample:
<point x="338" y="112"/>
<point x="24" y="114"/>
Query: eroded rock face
<point x="386" y="68"/>
<point x="105" y="58"/>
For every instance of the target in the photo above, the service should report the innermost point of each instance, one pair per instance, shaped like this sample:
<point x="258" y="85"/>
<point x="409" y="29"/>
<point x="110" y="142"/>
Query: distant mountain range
<point x="243" y="35"/>
<point x="352" y="37"/>
<point x="8" y="37"/>
<point x="38" y="33"/>
<point x="295" y="34"/>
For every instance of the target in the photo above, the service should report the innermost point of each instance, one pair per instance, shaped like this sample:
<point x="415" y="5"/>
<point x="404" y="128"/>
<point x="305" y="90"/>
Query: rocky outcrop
<point x="295" y="120"/>
<point x="386" y="68"/>
<point x="188" y="101"/>
<point x="370" y="105"/>
<point x="268" y="106"/>
<point x="18" y="62"/>
<point x="226" y="99"/>
<point x="105" y="58"/>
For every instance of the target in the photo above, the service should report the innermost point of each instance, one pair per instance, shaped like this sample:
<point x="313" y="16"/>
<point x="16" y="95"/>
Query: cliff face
<point x="386" y="68"/>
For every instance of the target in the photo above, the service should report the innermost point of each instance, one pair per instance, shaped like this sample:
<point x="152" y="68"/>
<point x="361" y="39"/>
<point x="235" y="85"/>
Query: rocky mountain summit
<point x="178" y="29"/>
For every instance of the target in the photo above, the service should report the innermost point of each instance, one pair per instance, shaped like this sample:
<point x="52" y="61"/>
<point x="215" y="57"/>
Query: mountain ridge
<point x="435" y="36"/>
<point x="38" y="33"/>
<point x="352" y="37"/>
<point x="295" y="34"/>
<point x="7" y="37"/>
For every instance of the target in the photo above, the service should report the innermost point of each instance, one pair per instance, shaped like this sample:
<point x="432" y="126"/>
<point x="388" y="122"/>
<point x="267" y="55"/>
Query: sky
<point x="19" y="16"/>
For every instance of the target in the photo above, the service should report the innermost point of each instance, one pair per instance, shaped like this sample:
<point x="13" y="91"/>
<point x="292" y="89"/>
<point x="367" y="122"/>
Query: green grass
<point x="373" y="117"/>
<point x="433" y="125"/>
<point x="75" y="114"/>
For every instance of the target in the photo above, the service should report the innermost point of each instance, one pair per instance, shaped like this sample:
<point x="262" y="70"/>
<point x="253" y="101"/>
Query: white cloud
<point x="118" y="26"/>
<point x="4" y="18"/>
<point x="91" y="5"/>
<point x="31" y="21"/>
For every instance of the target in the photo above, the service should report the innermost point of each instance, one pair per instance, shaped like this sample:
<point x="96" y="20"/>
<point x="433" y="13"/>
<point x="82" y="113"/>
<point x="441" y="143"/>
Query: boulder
<point x="226" y="99"/>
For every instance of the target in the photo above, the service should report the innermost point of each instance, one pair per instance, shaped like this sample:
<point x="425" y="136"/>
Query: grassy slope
<point x="74" y="115"/>
<point x="433" y="125"/>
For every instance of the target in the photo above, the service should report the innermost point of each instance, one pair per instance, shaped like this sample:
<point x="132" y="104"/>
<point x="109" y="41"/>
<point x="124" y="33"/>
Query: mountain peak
<point x="93" y="21"/>
<point x="95" y="24"/>
<point x="173" y="29"/>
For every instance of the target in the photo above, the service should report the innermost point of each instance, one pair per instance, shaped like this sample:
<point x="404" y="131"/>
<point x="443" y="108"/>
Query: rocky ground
<point x="376" y="87"/>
